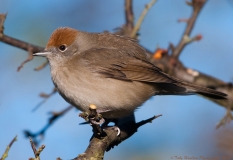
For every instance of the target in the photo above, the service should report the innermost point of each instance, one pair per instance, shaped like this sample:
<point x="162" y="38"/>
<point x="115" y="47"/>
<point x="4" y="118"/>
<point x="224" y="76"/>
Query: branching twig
<point x="23" y="45"/>
<point x="5" y="154"/>
<point x="29" y="58"/>
<point x="197" y="6"/>
<point x="35" y="151"/>
<point x="46" y="97"/>
<point x="171" y="64"/>
<point x="17" y="43"/>
<point x="52" y="119"/>
<point x="141" y="18"/>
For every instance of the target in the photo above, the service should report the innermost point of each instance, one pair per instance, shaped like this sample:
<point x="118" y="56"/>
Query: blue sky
<point x="187" y="127"/>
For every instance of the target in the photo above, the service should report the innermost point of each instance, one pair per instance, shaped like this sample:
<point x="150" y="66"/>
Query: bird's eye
<point x="62" y="47"/>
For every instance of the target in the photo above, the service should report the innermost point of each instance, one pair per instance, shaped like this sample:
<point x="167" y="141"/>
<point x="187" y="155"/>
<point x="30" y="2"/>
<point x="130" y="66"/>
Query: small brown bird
<point x="113" y="72"/>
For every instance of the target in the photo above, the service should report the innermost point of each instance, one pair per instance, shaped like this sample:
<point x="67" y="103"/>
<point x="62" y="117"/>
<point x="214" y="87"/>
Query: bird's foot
<point x="92" y="116"/>
<point x="95" y="120"/>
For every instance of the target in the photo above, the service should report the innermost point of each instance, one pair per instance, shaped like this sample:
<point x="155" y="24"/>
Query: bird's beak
<point x="42" y="53"/>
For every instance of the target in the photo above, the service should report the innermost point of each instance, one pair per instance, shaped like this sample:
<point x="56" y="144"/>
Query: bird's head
<point x="61" y="44"/>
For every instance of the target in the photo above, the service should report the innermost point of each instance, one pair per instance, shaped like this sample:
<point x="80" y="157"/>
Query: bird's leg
<point x="95" y="119"/>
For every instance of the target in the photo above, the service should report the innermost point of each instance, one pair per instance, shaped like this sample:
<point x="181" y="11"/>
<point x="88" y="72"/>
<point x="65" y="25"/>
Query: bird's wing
<point x="122" y="65"/>
<point x="114" y="63"/>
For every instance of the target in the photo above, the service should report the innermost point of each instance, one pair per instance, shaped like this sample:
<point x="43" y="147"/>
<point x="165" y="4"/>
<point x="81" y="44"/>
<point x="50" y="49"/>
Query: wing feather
<point x="112" y="63"/>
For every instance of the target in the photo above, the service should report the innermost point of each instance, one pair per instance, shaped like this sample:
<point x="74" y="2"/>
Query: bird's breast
<point x="114" y="98"/>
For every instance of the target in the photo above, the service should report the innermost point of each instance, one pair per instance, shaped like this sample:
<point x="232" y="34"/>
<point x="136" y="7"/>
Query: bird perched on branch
<point x="111" y="71"/>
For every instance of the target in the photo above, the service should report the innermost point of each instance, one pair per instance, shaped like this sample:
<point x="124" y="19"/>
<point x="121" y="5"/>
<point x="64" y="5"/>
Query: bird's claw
<point x="115" y="128"/>
<point x="118" y="130"/>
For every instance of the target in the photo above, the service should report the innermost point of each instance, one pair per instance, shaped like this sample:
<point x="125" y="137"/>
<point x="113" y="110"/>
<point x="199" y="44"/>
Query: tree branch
<point x="129" y="17"/>
<point x="52" y="119"/>
<point x="197" y="6"/>
<point x="35" y="151"/>
<point x="20" y="44"/>
<point x="5" y="154"/>
<point x="141" y="18"/>
<point x="99" y="144"/>
<point x="30" y="48"/>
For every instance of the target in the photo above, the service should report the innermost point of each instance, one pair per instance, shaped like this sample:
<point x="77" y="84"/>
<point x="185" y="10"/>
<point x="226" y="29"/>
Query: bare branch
<point x="141" y="18"/>
<point x="197" y="6"/>
<point x="51" y="120"/>
<point x="35" y="151"/>
<point x="17" y="43"/>
<point x="20" y="44"/>
<point x="29" y="58"/>
<point x="5" y="154"/>
<point x="143" y="122"/>
<point x="129" y="17"/>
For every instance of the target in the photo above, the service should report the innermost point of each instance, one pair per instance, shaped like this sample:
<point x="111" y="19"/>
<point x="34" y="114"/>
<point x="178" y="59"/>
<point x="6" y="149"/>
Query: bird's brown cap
<point x="62" y="35"/>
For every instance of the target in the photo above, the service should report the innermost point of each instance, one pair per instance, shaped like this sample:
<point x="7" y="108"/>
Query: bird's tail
<point x="192" y="88"/>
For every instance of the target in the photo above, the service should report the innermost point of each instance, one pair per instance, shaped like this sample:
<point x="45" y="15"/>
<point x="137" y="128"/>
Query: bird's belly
<point x="113" y="98"/>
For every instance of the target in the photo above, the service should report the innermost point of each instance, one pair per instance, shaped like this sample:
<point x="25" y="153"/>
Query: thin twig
<point x="43" y="65"/>
<point x="141" y="18"/>
<point x="35" y="151"/>
<point x="197" y="6"/>
<point x="51" y="120"/>
<point x="5" y="154"/>
<point x="2" y="20"/>
<point x="29" y="58"/>
<point x="20" y="44"/>
<point x="149" y="120"/>
<point x="46" y="97"/>
<point x="129" y="17"/>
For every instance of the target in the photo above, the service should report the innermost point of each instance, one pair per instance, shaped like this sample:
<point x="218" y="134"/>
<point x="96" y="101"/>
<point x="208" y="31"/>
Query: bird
<point x="110" y="71"/>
